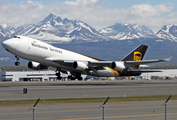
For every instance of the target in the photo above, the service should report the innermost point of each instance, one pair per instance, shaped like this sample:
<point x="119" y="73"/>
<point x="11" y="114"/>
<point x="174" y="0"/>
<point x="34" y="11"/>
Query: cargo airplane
<point x="42" y="55"/>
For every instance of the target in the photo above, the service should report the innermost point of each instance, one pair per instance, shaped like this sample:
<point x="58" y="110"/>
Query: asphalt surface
<point x="144" y="110"/>
<point x="52" y="90"/>
<point x="149" y="110"/>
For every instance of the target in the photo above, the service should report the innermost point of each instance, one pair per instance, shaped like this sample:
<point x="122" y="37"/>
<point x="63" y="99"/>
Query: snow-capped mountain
<point x="55" y="29"/>
<point x="8" y="28"/>
<point x="127" y="31"/>
<point x="168" y="32"/>
<point x="6" y="31"/>
<point x="5" y="59"/>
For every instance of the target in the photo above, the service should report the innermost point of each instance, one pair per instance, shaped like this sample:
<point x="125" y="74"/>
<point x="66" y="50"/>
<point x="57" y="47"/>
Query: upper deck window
<point x="16" y="37"/>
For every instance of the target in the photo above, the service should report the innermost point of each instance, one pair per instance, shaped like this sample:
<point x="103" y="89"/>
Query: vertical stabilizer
<point x="137" y="54"/>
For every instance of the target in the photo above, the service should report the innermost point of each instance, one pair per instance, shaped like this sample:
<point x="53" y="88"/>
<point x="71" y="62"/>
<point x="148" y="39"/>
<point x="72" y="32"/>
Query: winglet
<point x="168" y="59"/>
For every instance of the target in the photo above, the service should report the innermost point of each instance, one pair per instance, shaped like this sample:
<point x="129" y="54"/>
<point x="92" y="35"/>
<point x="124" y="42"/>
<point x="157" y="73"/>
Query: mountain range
<point x="54" y="29"/>
<point x="120" y="31"/>
<point x="80" y="37"/>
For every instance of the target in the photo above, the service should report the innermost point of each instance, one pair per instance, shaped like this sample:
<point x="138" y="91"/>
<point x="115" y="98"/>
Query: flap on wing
<point x="59" y="60"/>
<point x="90" y="63"/>
<point x="100" y="63"/>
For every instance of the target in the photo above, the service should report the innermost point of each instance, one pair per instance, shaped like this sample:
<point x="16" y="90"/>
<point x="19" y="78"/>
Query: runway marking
<point x="93" y="118"/>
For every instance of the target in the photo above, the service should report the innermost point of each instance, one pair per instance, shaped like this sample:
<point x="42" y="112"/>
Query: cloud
<point x="80" y="2"/>
<point x="95" y="13"/>
<point x="19" y="14"/>
<point x="152" y="16"/>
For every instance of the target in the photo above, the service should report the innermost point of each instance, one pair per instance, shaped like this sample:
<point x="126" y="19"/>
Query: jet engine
<point x="79" y="65"/>
<point x="118" y="66"/>
<point x="36" y="66"/>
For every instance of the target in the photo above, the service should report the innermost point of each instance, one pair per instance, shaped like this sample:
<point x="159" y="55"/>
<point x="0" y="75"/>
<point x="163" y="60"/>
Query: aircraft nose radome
<point x="9" y="44"/>
<point x="4" y="44"/>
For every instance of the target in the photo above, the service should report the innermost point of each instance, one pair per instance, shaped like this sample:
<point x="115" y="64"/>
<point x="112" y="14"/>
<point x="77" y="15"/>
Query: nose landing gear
<point x="17" y="63"/>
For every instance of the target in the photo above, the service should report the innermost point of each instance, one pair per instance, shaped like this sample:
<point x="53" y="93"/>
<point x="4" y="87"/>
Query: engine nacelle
<point x="36" y="66"/>
<point x="79" y="65"/>
<point x="118" y="66"/>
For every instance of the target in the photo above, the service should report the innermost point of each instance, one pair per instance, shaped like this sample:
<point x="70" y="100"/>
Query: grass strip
<point x="85" y="100"/>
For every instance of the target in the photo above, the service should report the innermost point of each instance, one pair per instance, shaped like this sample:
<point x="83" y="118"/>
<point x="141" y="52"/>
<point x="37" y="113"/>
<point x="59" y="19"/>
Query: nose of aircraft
<point x="9" y="44"/>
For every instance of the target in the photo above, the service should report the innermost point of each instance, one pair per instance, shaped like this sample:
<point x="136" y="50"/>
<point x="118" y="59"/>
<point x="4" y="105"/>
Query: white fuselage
<point x="38" y="51"/>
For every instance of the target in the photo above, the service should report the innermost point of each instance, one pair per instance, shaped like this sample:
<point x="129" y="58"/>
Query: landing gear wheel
<point x="75" y="75"/>
<point x="80" y="78"/>
<point x="73" y="78"/>
<point x="17" y="63"/>
<point x="59" y="78"/>
<point x="69" y="77"/>
<point x="58" y="74"/>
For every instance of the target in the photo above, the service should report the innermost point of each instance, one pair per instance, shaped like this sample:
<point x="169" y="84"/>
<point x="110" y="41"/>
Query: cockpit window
<point x="16" y="37"/>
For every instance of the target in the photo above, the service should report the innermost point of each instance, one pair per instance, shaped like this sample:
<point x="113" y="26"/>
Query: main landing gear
<point x="73" y="76"/>
<point x="17" y="63"/>
<point x="58" y="74"/>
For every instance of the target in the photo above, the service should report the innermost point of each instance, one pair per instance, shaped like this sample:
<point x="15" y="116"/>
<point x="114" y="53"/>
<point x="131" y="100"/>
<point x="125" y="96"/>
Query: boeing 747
<point x="42" y="55"/>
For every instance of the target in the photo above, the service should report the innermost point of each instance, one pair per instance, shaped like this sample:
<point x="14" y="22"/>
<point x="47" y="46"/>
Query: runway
<point x="149" y="110"/>
<point x="52" y="90"/>
<point x="143" y="110"/>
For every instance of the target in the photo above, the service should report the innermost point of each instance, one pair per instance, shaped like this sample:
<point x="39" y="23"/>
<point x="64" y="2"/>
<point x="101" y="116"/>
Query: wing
<point x="96" y="64"/>
<point x="144" y="71"/>
<point x="127" y="63"/>
<point x="147" y="61"/>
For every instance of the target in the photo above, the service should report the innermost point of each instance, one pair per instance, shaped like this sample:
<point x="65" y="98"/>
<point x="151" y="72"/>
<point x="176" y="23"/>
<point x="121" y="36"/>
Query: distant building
<point x="27" y="76"/>
<point x="32" y="76"/>
<point x="164" y="74"/>
<point x="50" y="76"/>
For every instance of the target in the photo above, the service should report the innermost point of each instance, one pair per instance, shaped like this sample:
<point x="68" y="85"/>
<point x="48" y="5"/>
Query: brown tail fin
<point x="137" y="54"/>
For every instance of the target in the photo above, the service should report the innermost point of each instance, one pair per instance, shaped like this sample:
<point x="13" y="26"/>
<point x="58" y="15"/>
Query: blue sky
<point x="96" y="13"/>
<point x="129" y="3"/>
<point x="113" y="3"/>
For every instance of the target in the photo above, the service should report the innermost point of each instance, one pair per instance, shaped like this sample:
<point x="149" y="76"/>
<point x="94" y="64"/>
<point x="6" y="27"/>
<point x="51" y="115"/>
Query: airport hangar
<point x="49" y="75"/>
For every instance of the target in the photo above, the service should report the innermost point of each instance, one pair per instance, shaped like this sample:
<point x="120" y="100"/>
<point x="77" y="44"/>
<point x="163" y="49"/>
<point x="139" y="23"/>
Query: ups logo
<point x="137" y="56"/>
